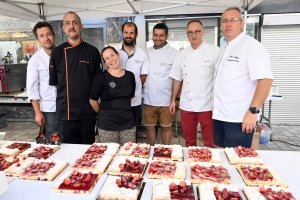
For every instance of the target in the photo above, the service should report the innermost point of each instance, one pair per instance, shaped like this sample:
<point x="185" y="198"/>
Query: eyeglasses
<point x="232" y="20"/>
<point x="190" y="33"/>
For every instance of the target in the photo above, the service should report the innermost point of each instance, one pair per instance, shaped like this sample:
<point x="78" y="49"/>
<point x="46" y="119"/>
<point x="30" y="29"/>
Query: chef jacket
<point x="72" y="69"/>
<point x="242" y="62"/>
<point x="37" y="81"/>
<point x="196" y="68"/>
<point x="158" y="86"/>
<point x="138" y="63"/>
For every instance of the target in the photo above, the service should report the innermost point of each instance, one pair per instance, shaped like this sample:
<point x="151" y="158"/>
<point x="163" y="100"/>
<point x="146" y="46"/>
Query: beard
<point x="131" y="43"/>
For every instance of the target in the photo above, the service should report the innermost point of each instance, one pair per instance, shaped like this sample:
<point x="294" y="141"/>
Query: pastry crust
<point x="176" y="154"/>
<point x="206" y="190"/>
<point x="114" y="168"/>
<point x="127" y="150"/>
<point x="98" y="165"/>
<point x="276" y="181"/>
<point x="235" y="159"/>
<point x="215" y="155"/>
<point x="9" y="152"/>
<point x="16" y="168"/>
<point x="253" y="193"/>
<point x="178" y="174"/>
<point x="7" y="144"/>
<point x="49" y="175"/>
<point x="204" y="179"/>
<point x="55" y="187"/>
<point x="161" y="188"/>
<point x="31" y="149"/>
<point x="111" y="191"/>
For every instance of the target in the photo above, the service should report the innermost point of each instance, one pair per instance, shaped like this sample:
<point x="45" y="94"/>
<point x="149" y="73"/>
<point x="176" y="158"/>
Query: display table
<point x="286" y="163"/>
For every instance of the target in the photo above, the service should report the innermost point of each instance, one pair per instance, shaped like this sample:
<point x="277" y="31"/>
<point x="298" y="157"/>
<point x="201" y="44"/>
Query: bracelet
<point x="177" y="99"/>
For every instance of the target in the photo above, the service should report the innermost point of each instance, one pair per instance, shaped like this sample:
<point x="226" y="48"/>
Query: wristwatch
<point x="254" y="110"/>
<point x="177" y="99"/>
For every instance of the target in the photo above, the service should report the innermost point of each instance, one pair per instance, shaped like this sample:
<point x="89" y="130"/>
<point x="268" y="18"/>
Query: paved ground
<point x="28" y="131"/>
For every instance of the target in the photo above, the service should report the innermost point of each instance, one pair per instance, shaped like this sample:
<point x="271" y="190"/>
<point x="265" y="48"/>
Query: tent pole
<point x="245" y="7"/>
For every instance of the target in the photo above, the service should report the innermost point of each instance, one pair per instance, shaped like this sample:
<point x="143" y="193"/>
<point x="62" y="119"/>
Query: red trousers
<point x="189" y="122"/>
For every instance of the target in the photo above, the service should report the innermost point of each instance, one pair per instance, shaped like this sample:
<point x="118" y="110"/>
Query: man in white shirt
<point x="243" y="80"/>
<point x="158" y="87"/>
<point x="194" y="66"/>
<point x="134" y="59"/>
<point x="40" y="93"/>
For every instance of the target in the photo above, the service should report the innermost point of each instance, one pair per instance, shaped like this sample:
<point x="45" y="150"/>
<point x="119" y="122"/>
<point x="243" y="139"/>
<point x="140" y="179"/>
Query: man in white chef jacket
<point x="243" y="80"/>
<point x="158" y="87"/>
<point x="40" y="93"/>
<point x="194" y="66"/>
<point x="134" y="59"/>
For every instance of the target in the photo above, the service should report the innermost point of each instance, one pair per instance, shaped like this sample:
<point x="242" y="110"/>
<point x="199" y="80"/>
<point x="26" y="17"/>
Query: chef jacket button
<point x="190" y="99"/>
<point x="189" y="91"/>
<point x="185" y="74"/>
<point x="187" y="82"/>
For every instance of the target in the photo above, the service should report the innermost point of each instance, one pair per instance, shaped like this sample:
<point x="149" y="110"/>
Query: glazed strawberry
<point x="182" y="184"/>
<point x="92" y="149"/>
<point x="175" y="192"/>
<point x="129" y="185"/>
<point x="16" y="160"/>
<point x="67" y="181"/>
<point x="166" y="152"/>
<point x="121" y="166"/>
<point x="87" y="179"/>
<point x="77" y="185"/>
<point x="127" y="147"/>
<point x="102" y="148"/>
<point x="118" y="182"/>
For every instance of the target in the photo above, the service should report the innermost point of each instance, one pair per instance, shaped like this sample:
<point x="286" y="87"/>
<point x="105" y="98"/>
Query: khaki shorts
<point x="152" y="114"/>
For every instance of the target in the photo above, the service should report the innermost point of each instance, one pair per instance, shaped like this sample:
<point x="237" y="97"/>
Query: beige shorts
<point x="152" y="114"/>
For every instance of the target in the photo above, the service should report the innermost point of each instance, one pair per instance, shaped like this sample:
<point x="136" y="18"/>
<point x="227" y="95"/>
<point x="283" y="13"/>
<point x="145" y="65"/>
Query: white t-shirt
<point x="196" y="68"/>
<point x="242" y="62"/>
<point x="138" y="64"/>
<point x="158" y="86"/>
<point x="37" y="81"/>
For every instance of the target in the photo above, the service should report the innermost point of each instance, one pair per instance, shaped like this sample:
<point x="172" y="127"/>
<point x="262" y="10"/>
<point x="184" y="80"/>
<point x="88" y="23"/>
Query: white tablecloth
<point x="286" y="163"/>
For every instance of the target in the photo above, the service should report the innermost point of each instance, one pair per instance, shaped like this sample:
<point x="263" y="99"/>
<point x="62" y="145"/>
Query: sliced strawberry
<point x="6" y="165"/>
<point x="262" y="190"/>
<point x="16" y="160"/>
<point x="92" y="149"/>
<point x="153" y="169"/>
<point x="182" y="184"/>
<point x="118" y="182"/>
<point x="74" y="173"/>
<point x="136" y="178"/>
<point x="129" y="185"/>
<point x="175" y="192"/>
<point x="77" y="185"/>
<point x="166" y="152"/>
<point x="102" y="148"/>
<point x="87" y="179"/>
<point x="67" y="181"/>
<point x="121" y="166"/>
<point x="127" y="147"/>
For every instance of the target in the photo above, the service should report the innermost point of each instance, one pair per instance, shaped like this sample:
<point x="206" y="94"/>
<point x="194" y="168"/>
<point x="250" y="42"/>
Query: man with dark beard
<point x="73" y="67"/>
<point x="134" y="59"/>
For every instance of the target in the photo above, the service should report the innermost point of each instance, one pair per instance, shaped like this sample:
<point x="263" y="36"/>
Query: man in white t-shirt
<point x="194" y="66"/>
<point x="134" y="59"/>
<point x="40" y="93"/>
<point x="243" y="80"/>
<point x="158" y="87"/>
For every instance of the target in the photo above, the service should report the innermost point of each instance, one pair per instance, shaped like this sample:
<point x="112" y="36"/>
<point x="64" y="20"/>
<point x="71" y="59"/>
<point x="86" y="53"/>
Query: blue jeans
<point x="50" y="122"/>
<point x="229" y="134"/>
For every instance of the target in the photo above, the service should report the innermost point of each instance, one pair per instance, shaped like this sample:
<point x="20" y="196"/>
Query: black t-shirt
<point x="73" y="69"/>
<point x="115" y="113"/>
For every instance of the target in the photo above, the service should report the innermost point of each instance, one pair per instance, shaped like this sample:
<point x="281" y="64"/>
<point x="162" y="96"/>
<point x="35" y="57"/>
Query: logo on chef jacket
<point x="138" y="61"/>
<point x="233" y="58"/>
<point x="112" y="84"/>
<point x="163" y="64"/>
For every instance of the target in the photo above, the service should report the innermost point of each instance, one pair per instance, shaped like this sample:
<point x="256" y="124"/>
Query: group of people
<point x="222" y="89"/>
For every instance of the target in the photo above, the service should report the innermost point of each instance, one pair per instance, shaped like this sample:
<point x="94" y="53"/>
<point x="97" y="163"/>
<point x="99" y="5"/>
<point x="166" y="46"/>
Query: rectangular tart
<point x="168" y="152"/>
<point x="203" y="154"/>
<point x="135" y="149"/>
<point x="243" y="156"/>
<point x="259" y="175"/>
<point x="167" y="169"/>
<point x="209" y="172"/>
<point x="125" y="165"/>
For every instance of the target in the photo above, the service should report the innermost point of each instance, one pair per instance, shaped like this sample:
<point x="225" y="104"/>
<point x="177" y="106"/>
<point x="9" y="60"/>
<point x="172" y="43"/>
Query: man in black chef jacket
<point x="73" y="66"/>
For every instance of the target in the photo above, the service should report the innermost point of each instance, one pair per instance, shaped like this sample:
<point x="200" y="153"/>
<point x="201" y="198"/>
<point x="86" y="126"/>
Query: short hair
<point x="74" y="13"/>
<point x="237" y="9"/>
<point x="41" y="25"/>
<point x="130" y="24"/>
<point x="195" y="20"/>
<point x="105" y="48"/>
<point x="161" y="26"/>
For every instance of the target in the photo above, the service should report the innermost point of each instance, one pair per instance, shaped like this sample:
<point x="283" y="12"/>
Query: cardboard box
<point x="255" y="140"/>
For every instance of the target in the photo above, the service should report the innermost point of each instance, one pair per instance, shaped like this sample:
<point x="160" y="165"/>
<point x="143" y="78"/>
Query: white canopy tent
<point x="36" y="10"/>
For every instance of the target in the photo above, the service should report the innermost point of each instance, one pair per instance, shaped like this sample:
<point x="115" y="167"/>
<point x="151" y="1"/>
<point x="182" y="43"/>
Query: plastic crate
<point x="3" y="120"/>
<point x="265" y="133"/>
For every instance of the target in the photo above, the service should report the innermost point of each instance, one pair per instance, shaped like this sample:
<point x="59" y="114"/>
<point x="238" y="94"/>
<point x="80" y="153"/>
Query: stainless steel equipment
<point x="12" y="77"/>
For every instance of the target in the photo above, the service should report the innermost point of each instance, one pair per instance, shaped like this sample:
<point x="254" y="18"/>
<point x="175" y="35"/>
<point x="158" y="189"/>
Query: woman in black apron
<point x="116" y="88"/>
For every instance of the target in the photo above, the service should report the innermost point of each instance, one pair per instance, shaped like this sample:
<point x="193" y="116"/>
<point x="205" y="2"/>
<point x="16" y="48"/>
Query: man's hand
<point x="39" y="118"/>
<point x="249" y="122"/>
<point x="172" y="107"/>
